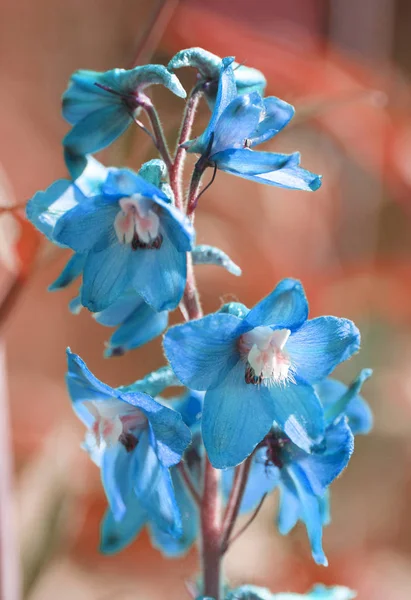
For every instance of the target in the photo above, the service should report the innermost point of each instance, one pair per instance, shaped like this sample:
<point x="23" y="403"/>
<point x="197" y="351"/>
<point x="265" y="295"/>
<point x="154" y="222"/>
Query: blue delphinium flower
<point x="131" y="234"/>
<point x="209" y="65"/>
<point x="238" y="124"/>
<point x="303" y="478"/>
<point x="116" y="535"/>
<point x="319" y="592"/>
<point x="257" y="368"/>
<point x="135" y="440"/>
<point x="101" y="106"/>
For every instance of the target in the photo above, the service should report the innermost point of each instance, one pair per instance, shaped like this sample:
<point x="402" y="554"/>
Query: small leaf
<point x="154" y="383"/>
<point x="209" y="255"/>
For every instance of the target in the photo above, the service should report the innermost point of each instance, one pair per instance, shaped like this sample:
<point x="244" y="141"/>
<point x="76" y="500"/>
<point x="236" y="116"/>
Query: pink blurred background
<point x="346" y="66"/>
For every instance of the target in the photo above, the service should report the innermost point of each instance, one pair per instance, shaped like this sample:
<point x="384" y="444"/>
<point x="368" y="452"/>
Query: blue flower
<point x="301" y="477"/>
<point x="258" y="367"/>
<point x="101" y="106"/>
<point x="115" y="535"/>
<point x="209" y="65"/>
<point x="128" y="232"/>
<point x="240" y="122"/>
<point x="135" y="440"/>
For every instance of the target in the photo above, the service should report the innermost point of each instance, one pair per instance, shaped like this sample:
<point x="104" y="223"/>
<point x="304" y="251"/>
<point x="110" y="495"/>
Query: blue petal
<point x="92" y="178"/>
<point x="105" y="276"/>
<point x="289" y="507"/>
<point x="236" y="417"/>
<point x="310" y="512"/>
<point x="324" y="503"/>
<point x="227" y="91"/>
<point x="154" y="489"/>
<point x="46" y="208"/>
<point x="98" y="129"/>
<point x="202" y="352"/>
<point x="276" y="116"/>
<point x="320" y="345"/>
<point x="116" y="535"/>
<point x="285" y="307"/>
<point x="170" y="435"/>
<point x="170" y="546"/>
<point x="190" y="407"/>
<point x="124" y="182"/>
<point x="120" y="310"/>
<point x="159" y="276"/>
<point x="268" y="167"/>
<point x="263" y="478"/>
<point x="298" y="412"/>
<point x="117" y="470"/>
<point x="87" y="224"/>
<point x="339" y="399"/>
<point x="71" y="271"/>
<point x="84" y="387"/>
<point x="142" y="326"/>
<point x="322" y="467"/>
<point x="237" y="122"/>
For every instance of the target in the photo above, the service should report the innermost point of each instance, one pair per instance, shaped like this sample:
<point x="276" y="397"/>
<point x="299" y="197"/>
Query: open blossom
<point x="241" y="122"/>
<point x="101" y="106"/>
<point x="257" y="368"/>
<point x="117" y="534"/>
<point x="135" y="440"/>
<point x="127" y="231"/>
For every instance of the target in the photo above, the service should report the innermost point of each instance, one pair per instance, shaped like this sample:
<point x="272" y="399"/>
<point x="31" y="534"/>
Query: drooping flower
<point x="101" y="105"/>
<point x="129" y="232"/>
<point x="319" y="592"/>
<point x="135" y="440"/>
<point x="238" y="124"/>
<point x="257" y="367"/>
<point x="116" y="535"/>
<point x="209" y="65"/>
<point x="303" y="478"/>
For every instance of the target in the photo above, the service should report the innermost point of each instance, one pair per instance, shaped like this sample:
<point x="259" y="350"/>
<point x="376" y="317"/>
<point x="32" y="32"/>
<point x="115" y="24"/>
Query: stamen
<point x="267" y="362"/>
<point x="138" y="224"/>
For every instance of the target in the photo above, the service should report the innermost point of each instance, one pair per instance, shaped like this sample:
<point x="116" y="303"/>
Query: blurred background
<point x="346" y="66"/>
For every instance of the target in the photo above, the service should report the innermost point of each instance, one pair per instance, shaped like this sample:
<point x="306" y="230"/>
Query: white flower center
<point x="265" y="356"/>
<point x="137" y="224"/>
<point x="116" y="421"/>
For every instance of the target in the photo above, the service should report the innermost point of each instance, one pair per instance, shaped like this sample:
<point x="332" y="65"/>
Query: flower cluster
<point x="258" y="411"/>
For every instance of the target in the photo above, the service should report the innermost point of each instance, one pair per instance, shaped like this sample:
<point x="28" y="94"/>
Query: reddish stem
<point x="160" y="140"/>
<point x="185" y="474"/>
<point x="176" y="173"/>
<point x="191" y="298"/>
<point x="234" y="501"/>
<point x="211" y="532"/>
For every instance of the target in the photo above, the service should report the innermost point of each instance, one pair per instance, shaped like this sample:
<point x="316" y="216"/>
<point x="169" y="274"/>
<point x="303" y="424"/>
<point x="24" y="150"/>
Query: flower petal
<point x="298" y="412"/>
<point x="310" y="512"/>
<point x="120" y="310"/>
<point x="276" y="116"/>
<point x="87" y="225"/>
<point x="170" y="546"/>
<point x="338" y="399"/>
<point x="237" y="122"/>
<point x="159" y="276"/>
<point x="105" y="277"/>
<point x="154" y="489"/>
<point x="268" y="167"/>
<point x="83" y="386"/>
<point x="322" y="467"/>
<point x="71" y="271"/>
<point x="320" y="345"/>
<point x="142" y="326"/>
<point x="116" y="535"/>
<point x="286" y="307"/>
<point x="169" y="435"/>
<point x="98" y="129"/>
<point x="236" y="417"/>
<point x="202" y="352"/>
<point x="117" y="470"/>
